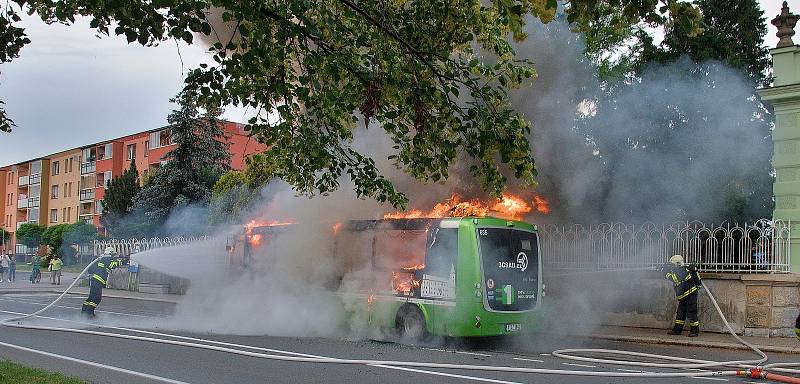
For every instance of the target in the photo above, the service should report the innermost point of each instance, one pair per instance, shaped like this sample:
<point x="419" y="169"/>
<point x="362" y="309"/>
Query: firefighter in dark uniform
<point x="797" y="326"/>
<point x="98" y="278"/>
<point x="686" y="281"/>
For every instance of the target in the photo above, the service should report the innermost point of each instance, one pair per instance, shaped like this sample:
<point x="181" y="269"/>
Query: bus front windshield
<point x="511" y="268"/>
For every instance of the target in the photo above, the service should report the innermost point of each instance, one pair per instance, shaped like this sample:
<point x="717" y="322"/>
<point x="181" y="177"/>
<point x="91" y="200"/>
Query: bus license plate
<point x="513" y="327"/>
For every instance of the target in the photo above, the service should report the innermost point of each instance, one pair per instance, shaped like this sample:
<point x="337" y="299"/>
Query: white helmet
<point x="110" y="251"/>
<point x="676" y="260"/>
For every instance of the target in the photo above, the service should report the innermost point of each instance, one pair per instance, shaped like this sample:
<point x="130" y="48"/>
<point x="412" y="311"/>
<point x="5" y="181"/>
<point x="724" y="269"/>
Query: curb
<point x="698" y="343"/>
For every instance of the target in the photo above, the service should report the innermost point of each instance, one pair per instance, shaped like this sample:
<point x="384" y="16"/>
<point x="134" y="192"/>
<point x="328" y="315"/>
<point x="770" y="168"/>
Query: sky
<point x="69" y="88"/>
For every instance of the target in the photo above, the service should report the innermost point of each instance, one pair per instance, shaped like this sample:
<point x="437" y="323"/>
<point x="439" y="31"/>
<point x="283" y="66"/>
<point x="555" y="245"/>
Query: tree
<point x="53" y="237"/>
<point x="190" y="170"/>
<point x="694" y="115"/>
<point x="5" y="237"/>
<point x="234" y="192"/>
<point x="30" y="235"/>
<point x="118" y="203"/>
<point x="77" y="234"/>
<point x="435" y="76"/>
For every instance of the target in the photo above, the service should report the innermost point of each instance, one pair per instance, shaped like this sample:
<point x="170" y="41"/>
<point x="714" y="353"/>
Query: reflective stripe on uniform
<point x="89" y="303"/>
<point x="694" y="324"/>
<point x="681" y="322"/>
<point x="99" y="278"/>
<point x="673" y="277"/>
<point x="100" y="264"/>
<point x="688" y="277"/>
<point x="687" y="293"/>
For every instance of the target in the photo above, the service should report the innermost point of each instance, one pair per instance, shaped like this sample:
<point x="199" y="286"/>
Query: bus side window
<point x="442" y="253"/>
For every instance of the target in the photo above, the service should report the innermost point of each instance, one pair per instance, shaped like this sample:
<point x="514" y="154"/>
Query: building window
<point x="54" y="215"/>
<point x="69" y="212"/>
<point x="64" y="215"/>
<point x="99" y="207"/>
<point x="70" y="189"/>
<point x="146" y="147"/>
<point x="131" y="151"/>
<point x="54" y="192"/>
<point x="55" y="168"/>
<point x="161" y="138"/>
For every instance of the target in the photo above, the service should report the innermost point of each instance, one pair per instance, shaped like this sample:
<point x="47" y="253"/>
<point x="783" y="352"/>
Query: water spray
<point x="748" y="368"/>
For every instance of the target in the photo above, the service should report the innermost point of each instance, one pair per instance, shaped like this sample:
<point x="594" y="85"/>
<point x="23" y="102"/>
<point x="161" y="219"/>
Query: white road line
<point x="545" y="354"/>
<point x="631" y="370"/>
<point x="66" y="307"/>
<point x="710" y="378"/>
<point x="533" y="360"/>
<point x="474" y="378"/>
<point x="461" y="352"/>
<point x="93" y="364"/>
<point x="580" y="365"/>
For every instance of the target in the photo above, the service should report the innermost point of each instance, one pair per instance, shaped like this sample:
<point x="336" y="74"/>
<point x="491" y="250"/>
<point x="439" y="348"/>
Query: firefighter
<point x="797" y="326"/>
<point x="98" y="279"/>
<point x="686" y="281"/>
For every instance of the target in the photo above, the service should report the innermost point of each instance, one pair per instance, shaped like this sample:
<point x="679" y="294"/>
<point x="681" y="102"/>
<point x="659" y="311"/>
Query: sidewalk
<point x="22" y="285"/>
<point x="706" y="339"/>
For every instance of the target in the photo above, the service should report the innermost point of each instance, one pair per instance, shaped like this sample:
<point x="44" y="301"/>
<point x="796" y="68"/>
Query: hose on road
<point x="750" y="368"/>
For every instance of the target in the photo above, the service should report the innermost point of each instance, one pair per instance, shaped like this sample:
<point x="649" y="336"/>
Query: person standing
<point x="55" y="270"/>
<point x="686" y="282"/>
<point x="12" y="268"/>
<point x="98" y="278"/>
<point x="5" y="262"/>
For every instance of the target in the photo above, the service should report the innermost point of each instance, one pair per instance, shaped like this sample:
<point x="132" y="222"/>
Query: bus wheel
<point x="410" y="323"/>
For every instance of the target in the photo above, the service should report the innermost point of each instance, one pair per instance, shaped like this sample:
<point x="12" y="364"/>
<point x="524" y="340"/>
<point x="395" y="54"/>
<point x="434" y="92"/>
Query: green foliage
<point x="5" y="237"/>
<point x="17" y="373"/>
<point x="733" y="33"/>
<point x="235" y="191"/>
<point x="61" y="237"/>
<point x="189" y="171"/>
<point x="433" y="75"/>
<point x="30" y="235"/>
<point x="118" y="203"/>
<point x="53" y="236"/>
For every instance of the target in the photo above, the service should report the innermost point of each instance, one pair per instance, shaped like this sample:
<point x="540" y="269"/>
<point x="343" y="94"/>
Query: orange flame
<point x="337" y="227"/>
<point x="413" y="267"/>
<point x="255" y="240"/>
<point x="509" y="207"/>
<point x="541" y="204"/>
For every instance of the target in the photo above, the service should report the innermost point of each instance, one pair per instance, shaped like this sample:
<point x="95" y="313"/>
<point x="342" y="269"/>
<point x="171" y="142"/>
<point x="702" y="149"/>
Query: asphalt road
<point x="194" y="365"/>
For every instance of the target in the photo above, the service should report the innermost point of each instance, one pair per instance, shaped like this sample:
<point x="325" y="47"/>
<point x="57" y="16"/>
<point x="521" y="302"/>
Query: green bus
<point x="460" y="276"/>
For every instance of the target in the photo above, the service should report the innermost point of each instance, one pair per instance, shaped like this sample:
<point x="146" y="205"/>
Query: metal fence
<point x="762" y="247"/>
<point x="128" y="246"/>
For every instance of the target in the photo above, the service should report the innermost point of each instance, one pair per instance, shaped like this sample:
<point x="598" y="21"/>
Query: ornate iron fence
<point x="762" y="247"/>
<point x="128" y="246"/>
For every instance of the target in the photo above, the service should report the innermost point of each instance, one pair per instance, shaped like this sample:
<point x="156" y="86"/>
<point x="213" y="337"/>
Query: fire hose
<point x="750" y="368"/>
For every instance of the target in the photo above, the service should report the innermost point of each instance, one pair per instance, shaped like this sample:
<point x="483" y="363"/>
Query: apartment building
<point x="69" y="186"/>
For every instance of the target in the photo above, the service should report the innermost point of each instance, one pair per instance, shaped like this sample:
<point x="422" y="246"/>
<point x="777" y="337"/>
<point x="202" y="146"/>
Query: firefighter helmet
<point x="676" y="260"/>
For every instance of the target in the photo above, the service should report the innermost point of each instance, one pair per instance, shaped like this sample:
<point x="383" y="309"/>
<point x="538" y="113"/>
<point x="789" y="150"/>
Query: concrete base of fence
<point x="147" y="281"/>
<point x="754" y="304"/>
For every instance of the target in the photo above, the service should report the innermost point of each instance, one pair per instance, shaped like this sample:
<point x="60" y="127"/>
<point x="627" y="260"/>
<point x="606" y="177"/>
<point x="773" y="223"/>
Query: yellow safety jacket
<point x="685" y="280"/>
<point x="102" y="268"/>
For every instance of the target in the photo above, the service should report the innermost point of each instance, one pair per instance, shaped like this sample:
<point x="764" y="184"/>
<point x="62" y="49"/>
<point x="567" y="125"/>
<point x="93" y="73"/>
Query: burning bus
<point x="470" y="275"/>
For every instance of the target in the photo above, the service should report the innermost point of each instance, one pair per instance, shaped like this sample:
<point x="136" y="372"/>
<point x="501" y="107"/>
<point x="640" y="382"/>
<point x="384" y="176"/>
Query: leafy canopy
<point x="30" y="235"/>
<point x="434" y="74"/>
<point x="189" y="171"/>
<point x="118" y="202"/>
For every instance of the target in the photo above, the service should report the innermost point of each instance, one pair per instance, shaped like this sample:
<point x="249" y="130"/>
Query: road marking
<point x="631" y="370"/>
<point x="66" y="307"/>
<point x="474" y="378"/>
<point x="533" y="360"/>
<point x="545" y="354"/>
<point x="710" y="378"/>
<point x="92" y="363"/>
<point x="461" y="352"/>
<point x="580" y="365"/>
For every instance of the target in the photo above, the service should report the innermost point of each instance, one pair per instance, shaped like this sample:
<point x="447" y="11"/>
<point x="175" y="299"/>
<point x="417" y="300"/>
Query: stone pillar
<point x="784" y="96"/>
